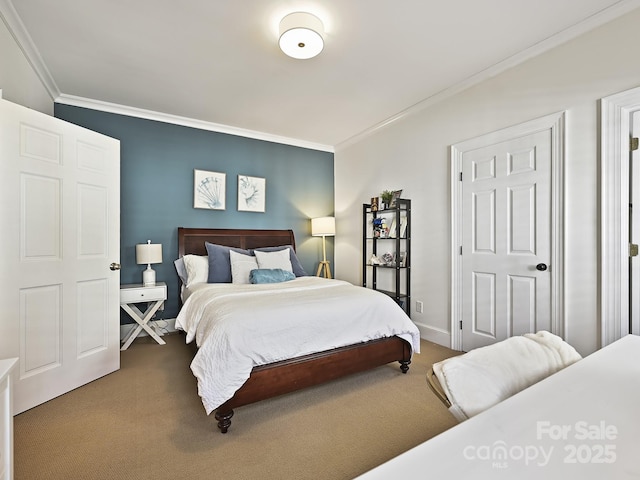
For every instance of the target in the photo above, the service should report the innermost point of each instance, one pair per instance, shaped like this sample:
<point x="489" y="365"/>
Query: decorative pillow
<point x="241" y="266"/>
<point x="270" y="275"/>
<point x="295" y="262"/>
<point x="278" y="259"/>
<point x="181" y="269"/>
<point x="197" y="267"/>
<point x="219" y="263"/>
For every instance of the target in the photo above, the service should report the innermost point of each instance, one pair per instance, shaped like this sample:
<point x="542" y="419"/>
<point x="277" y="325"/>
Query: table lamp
<point x="148" y="253"/>
<point x="322" y="227"/>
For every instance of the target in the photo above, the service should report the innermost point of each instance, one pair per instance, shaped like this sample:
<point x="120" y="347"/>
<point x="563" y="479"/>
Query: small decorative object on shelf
<point x="387" y="258"/>
<point x="375" y="260"/>
<point x="386" y="197"/>
<point x="395" y="196"/>
<point x="386" y="248"/>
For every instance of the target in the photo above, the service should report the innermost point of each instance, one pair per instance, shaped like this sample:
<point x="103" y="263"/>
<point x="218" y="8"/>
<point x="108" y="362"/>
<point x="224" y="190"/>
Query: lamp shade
<point x="323" y="226"/>
<point x="301" y="35"/>
<point x="147" y="253"/>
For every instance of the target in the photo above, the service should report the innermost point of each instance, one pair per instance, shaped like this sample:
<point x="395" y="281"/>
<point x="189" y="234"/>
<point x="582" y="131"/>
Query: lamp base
<point x="149" y="277"/>
<point x="324" y="266"/>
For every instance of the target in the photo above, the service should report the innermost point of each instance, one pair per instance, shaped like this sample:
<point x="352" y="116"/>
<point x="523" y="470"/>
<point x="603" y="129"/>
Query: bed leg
<point x="404" y="365"/>
<point x="224" y="420"/>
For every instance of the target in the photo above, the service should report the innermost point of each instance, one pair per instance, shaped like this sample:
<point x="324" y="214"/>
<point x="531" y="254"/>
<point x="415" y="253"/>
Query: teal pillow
<point x="270" y="275"/>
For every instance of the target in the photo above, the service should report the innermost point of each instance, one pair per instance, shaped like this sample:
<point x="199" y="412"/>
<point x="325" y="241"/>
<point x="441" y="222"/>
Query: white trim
<point x="600" y="18"/>
<point x="556" y="124"/>
<point x="435" y="335"/>
<point x="17" y="29"/>
<point x="185" y="121"/>
<point x="614" y="213"/>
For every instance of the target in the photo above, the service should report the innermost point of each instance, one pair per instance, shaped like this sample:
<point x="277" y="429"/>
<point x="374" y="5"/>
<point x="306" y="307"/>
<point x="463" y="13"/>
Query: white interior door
<point x="634" y="227"/>
<point x="60" y="209"/>
<point x="504" y="275"/>
<point x="506" y="234"/>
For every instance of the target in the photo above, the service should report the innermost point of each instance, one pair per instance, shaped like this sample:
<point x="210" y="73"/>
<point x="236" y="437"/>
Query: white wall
<point x="18" y="81"/>
<point x="412" y="154"/>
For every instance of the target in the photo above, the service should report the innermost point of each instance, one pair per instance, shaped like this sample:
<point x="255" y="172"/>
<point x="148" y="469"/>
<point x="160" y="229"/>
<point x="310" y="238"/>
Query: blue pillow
<point x="219" y="262"/>
<point x="270" y="275"/>
<point x="298" y="270"/>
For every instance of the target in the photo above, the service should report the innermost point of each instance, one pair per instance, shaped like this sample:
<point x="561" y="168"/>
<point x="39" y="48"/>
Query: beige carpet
<point x="146" y="421"/>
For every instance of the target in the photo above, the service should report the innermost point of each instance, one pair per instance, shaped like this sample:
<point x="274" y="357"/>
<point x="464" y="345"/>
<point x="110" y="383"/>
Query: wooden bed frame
<point x="267" y="381"/>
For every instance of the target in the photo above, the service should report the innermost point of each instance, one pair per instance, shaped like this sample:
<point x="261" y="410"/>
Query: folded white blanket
<point x="485" y="376"/>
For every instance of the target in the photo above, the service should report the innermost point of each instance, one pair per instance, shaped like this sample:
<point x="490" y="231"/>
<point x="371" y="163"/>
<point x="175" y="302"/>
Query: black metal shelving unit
<point x="397" y="242"/>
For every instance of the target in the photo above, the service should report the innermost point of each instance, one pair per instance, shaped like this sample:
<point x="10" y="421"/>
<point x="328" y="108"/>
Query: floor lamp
<point x="322" y="227"/>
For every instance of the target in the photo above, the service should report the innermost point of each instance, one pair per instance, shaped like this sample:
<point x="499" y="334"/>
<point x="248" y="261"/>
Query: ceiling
<point x="218" y="61"/>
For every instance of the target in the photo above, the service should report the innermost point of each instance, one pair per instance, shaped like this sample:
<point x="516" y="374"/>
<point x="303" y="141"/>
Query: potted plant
<point x="386" y="196"/>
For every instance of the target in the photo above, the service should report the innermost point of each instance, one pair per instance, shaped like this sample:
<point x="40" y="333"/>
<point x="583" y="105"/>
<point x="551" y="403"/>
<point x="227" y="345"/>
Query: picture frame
<point x="209" y="190"/>
<point x="396" y="196"/>
<point x="251" y="193"/>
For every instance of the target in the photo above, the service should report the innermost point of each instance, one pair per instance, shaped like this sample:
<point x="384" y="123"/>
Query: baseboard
<point x="166" y="325"/>
<point x="435" y="335"/>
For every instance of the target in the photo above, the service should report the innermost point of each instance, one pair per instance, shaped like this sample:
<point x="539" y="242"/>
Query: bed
<point x="289" y="374"/>
<point x="581" y="422"/>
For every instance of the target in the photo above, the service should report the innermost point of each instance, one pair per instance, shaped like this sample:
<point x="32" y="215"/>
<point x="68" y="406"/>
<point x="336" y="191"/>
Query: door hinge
<point x="460" y="176"/>
<point x="460" y="249"/>
<point x="633" y="143"/>
<point x="633" y="250"/>
<point x="460" y="324"/>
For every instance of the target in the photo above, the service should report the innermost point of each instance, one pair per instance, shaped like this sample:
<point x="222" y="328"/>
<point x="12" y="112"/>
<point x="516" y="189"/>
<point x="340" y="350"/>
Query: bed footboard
<point x="268" y="381"/>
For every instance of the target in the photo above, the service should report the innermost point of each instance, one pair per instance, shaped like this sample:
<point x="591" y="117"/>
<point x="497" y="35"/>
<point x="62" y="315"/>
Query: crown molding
<point x="186" y="122"/>
<point x="25" y="43"/>
<point x="597" y="19"/>
<point x="20" y="34"/>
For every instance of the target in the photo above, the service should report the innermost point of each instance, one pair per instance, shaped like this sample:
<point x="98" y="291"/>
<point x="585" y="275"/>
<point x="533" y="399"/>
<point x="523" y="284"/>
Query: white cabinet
<point x="6" y="418"/>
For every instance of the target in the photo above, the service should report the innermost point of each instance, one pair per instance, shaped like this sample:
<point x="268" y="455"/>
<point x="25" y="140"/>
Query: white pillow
<point x="197" y="267"/>
<point x="241" y="266"/>
<point x="278" y="259"/>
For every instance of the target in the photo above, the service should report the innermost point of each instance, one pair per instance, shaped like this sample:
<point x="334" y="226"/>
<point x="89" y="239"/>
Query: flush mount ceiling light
<point x="301" y="35"/>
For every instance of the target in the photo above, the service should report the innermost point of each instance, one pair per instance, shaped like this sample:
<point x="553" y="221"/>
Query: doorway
<point x="617" y="318"/>
<point x="507" y="231"/>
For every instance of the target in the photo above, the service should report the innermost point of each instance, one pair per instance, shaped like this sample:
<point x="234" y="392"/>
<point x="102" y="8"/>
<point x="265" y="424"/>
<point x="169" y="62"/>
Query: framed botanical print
<point x="251" y="193"/>
<point x="209" y="190"/>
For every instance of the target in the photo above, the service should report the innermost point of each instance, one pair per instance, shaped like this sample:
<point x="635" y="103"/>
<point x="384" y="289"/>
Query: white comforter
<point x="237" y="327"/>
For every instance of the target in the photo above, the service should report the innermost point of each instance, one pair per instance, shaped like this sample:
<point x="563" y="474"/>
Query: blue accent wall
<point x="156" y="188"/>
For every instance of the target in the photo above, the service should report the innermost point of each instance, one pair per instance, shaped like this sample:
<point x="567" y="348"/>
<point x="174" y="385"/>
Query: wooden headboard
<point x="191" y="240"/>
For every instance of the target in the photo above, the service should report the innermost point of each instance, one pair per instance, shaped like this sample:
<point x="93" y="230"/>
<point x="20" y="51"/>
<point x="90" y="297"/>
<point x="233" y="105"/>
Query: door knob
<point x="115" y="266"/>
<point x="541" y="266"/>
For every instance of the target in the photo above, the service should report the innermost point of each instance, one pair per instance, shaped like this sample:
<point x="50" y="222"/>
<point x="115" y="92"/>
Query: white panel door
<point x="60" y="213"/>
<point x="508" y="219"/>
<point x="505" y="232"/>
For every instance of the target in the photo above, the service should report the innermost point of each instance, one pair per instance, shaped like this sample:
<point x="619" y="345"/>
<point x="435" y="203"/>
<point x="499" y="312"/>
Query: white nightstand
<point x="138" y="293"/>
